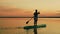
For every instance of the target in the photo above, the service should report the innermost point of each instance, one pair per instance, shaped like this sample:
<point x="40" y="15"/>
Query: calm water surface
<point x="8" y="26"/>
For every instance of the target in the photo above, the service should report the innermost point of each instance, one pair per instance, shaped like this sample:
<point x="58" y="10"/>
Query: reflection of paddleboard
<point x="38" y="26"/>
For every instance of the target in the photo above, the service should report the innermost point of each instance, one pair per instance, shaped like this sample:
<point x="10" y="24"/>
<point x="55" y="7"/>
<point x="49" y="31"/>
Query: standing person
<point x="36" y="17"/>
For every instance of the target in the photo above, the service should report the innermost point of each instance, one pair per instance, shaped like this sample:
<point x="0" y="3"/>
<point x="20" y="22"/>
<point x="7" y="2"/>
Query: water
<point x="8" y="26"/>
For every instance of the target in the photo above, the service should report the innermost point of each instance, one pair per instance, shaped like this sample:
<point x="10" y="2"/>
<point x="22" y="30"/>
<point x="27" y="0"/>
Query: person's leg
<point x="35" y="23"/>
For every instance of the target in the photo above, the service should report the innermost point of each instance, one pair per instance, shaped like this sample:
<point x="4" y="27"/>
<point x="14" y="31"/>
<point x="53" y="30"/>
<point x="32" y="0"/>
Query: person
<point x="36" y="17"/>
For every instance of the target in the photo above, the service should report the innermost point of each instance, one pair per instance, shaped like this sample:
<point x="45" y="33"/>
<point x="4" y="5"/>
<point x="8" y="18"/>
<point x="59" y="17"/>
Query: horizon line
<point x="31" y="17"/>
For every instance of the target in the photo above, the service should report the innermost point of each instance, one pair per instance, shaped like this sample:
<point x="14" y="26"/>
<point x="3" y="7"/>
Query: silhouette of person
<point x="36" y="17"/>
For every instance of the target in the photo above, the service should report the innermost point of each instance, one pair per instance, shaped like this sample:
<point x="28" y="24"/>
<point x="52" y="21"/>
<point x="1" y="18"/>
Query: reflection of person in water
<point x="36" y="17"/>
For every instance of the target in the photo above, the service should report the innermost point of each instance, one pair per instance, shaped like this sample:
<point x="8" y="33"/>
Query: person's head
<point x="36" y="10"/>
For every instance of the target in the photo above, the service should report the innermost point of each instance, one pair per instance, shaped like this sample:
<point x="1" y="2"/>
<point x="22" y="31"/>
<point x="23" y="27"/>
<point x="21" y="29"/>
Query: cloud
<point x="9" y="11"/>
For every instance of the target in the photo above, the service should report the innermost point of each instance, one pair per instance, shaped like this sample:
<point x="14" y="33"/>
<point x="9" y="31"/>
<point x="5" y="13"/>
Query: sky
<point x="27" y="7"/>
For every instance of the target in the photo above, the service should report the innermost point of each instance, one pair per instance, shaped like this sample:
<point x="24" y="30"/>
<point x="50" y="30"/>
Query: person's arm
<point x="38" y="12"/>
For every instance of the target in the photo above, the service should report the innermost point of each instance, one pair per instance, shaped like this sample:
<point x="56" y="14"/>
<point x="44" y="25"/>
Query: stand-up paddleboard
<point x="38" y="26"/>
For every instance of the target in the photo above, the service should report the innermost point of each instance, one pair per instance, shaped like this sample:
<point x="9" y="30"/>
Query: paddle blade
<point x="27" y="22"/>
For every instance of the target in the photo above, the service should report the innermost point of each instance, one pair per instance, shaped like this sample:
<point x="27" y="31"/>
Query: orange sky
<point x="27" y="7"/>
